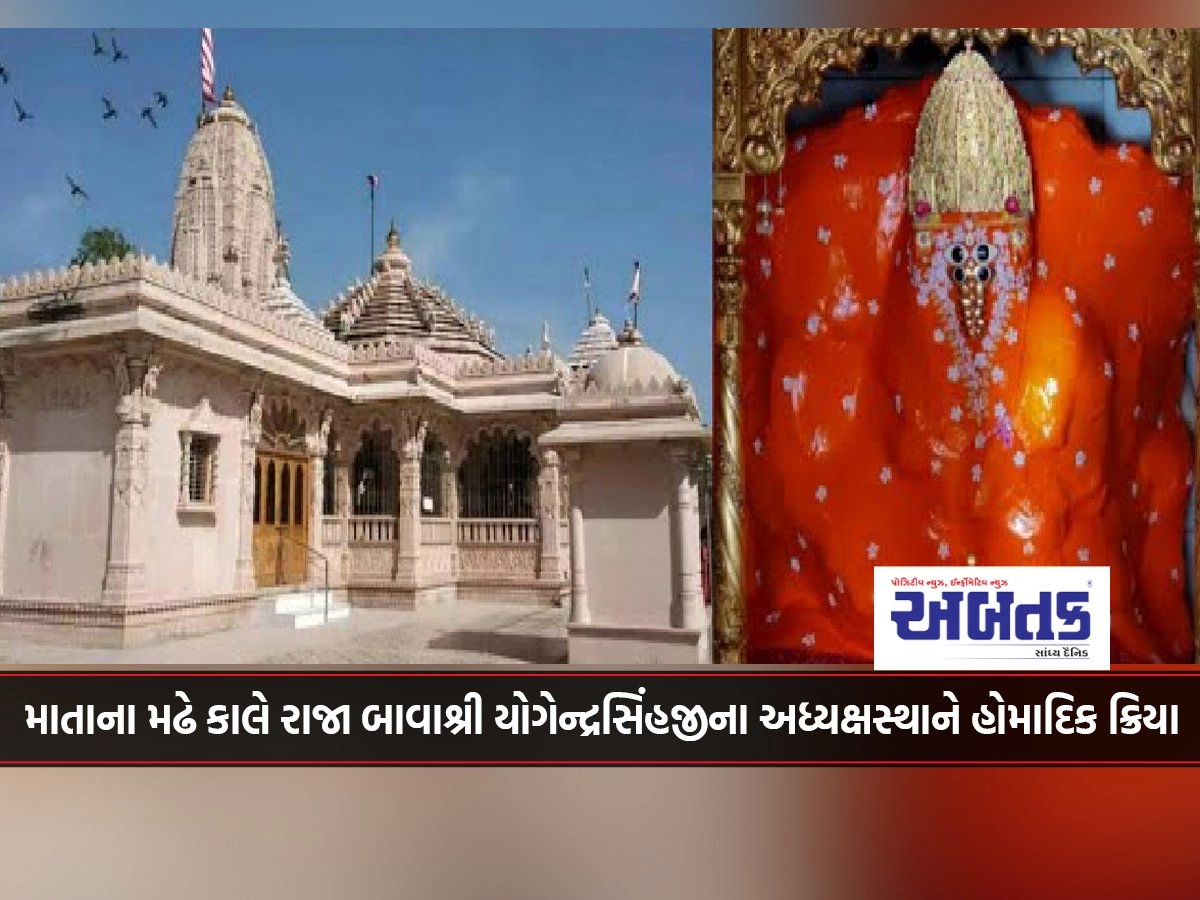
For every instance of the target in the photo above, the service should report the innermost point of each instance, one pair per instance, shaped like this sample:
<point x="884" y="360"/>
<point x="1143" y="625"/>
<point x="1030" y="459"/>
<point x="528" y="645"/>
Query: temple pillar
<point x="318" y="447"/>
<point x="251" y="434"/>
<point x="687" y="601"/>
<point x="136" y="375"/>
<point x="343" y="508"/>
<point x="450" y="504"/>
<point x="408" y="507"/>
<point x="580" y="613"/>
<point x="549" y="505"/>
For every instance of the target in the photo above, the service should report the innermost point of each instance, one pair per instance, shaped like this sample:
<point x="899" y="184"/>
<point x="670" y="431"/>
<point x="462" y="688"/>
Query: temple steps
<point x="306" y="608"/>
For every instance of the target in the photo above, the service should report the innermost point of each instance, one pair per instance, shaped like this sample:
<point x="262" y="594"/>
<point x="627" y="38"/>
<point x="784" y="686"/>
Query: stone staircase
<point x="306" y="608"/>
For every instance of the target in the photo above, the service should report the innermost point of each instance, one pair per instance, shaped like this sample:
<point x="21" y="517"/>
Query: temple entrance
<point x="281" y="501"/>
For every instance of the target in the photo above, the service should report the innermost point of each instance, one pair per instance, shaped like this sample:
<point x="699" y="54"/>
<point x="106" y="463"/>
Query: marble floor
<point x="476" y="634"/>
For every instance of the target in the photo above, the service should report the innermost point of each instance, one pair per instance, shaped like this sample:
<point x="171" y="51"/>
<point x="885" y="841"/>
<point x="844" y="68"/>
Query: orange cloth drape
<point x="858" y="444"/>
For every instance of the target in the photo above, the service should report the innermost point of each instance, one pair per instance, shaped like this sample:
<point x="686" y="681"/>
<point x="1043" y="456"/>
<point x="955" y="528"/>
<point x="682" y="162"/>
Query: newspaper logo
<point x="1022" y="618"/>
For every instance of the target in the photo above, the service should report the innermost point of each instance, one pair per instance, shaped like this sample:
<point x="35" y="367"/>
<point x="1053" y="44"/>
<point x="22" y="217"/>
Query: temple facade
<point x="186" y="446"/>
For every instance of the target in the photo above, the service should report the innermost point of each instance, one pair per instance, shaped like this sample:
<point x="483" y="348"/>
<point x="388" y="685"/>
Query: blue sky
<point x="509" y="159"/>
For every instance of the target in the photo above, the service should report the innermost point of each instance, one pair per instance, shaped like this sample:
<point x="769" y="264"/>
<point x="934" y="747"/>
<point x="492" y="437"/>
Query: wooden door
<point x="281" y="507"/>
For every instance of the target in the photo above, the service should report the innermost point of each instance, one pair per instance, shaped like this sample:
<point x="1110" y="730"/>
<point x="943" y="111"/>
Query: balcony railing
<point x="434" y="532"/>
<point x="498" y="531"/>
<point x="372" y="529"/>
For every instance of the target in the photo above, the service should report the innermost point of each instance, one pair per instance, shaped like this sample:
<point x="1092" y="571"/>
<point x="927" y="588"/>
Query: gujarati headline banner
<point x="659" y="717"/>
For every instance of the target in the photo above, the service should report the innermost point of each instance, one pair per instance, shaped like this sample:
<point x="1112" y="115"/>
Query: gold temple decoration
<point x="759" y="74"/>
<point x="970" y="154"/>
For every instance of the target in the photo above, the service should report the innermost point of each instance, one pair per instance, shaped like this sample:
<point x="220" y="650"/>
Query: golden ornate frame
<point x="760" y="73"/>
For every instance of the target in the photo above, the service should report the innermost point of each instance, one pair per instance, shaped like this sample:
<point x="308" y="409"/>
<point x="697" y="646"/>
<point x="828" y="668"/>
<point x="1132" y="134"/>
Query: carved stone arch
<point x="284" y="429"/>
<point x="760" y="74"/>
<point x="498" y="474"/>
<point x="374" y="468"/>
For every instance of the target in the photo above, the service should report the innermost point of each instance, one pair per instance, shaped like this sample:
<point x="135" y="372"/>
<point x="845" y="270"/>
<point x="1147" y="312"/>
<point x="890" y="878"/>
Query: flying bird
<point x="161" y="99"/>
<point x="76" y="190"/>
<point x="110" y="111"/>
<point x="118" y="53"/>
<point x="97" y="47"/>
<point x="22" y="115"/>
<point x="148" y="115"/>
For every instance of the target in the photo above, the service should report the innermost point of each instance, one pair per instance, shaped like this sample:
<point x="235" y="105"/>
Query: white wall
<point x="627" y="490"/>
<point x="190" y="555"/>
<point x="60" y="437"/>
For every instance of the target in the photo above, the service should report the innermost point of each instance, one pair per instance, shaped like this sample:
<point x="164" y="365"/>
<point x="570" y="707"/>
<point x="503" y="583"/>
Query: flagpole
<point x="371" y="255"/>
<point x="587" y="293"/>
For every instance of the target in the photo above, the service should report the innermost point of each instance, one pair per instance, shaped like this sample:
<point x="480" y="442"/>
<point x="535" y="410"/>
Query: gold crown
<point x="970" y="154"/>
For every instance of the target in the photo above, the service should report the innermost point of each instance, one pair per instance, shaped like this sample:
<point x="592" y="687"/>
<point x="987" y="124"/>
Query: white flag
<point x="635" y="292"/>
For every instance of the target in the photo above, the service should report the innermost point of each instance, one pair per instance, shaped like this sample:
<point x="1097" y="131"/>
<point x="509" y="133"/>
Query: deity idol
<point x="964" y="343"/>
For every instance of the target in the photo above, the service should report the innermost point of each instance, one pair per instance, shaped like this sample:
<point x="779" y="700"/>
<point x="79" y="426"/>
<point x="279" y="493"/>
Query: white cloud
<point x="436" y="237"/>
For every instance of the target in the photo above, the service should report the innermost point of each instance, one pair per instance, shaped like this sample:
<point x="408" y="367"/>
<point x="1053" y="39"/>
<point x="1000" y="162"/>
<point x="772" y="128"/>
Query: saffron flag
<point x="207" y="67"/>
<point x="635" y="292"/>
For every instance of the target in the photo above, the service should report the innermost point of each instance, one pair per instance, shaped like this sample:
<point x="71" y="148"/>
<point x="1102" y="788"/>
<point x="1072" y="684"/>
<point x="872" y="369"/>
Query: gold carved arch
<point x="759" y="74"/>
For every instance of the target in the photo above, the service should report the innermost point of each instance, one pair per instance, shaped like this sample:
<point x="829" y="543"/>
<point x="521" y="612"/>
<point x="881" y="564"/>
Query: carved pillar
<point x="251" y="435"/>
<point x="580" y="613"/>
<point x="343" y="508"/>
<point x="687" y="601"/>
<point x="136" y="373"/>
<point x="408" y="507"/>
<point x="318" y="448"/>
<point x="549" y="503"/>
<point x="450" y="503"/>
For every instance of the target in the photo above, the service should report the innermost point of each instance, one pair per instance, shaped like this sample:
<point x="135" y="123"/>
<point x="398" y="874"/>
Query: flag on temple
<point x="635" y="292"/>
<point x="373" y="181"/>
<point x="208" y="91"/>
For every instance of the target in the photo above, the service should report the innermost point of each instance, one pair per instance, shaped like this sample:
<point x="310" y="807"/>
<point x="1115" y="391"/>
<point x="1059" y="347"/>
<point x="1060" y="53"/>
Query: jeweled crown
<point x="970" y="154"/>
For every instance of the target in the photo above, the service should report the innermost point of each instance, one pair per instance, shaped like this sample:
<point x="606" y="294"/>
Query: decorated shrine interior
<point x="966" y="339"/>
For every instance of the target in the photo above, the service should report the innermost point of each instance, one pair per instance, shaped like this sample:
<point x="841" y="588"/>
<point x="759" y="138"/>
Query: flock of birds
<point x="109" y="111"/>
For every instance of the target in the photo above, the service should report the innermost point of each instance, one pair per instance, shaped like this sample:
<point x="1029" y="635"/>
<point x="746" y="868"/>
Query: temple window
<point x="498" y="478"/>
<point x="432" y="502"/>
<point x="198" y="476"/>
<point x="374" y="486"/>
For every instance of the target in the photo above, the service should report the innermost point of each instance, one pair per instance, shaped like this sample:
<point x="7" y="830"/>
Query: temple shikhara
<point x="186" y="446"/>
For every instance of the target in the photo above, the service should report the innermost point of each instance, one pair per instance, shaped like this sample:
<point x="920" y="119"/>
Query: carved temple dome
<point x="224" y="228"/>
<point x="395" y="305"/>
<point x="597" y="339"/>
<point x="633" y="362"/>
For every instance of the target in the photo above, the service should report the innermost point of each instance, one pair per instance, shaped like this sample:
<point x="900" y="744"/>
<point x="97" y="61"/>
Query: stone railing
<point x="372" y="529"/>
<point x="146" y="268"/>
<point x="498" y="531"/>
<point x="436" y="532"/>
<point x="400" y="350"/>
<point x="539" y="364"/>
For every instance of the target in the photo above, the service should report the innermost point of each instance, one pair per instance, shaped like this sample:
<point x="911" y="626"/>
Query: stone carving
<point x="517" y="365"/>
<point x="372" y="562"/>
<point x="136" y="372"/>
<point x="255" y="418"/>
<point x="501" y="562"/>
<point x="323" y="431"/>
<point x="282" y="427"/>
<point x="437" y="560"/>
